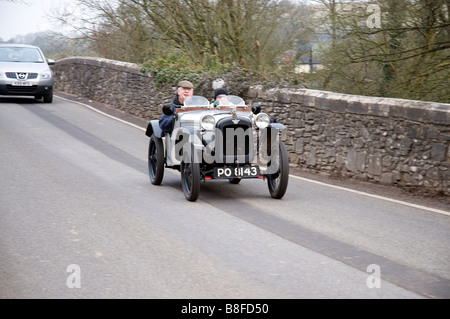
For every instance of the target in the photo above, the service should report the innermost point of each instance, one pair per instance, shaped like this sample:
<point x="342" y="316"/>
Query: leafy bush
<point x="178" y="66"/>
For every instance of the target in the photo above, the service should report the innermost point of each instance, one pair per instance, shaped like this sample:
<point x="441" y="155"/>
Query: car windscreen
<point x="231" y="101"/>
<point x="14" y="54"/>
<point x="196" y="101"/>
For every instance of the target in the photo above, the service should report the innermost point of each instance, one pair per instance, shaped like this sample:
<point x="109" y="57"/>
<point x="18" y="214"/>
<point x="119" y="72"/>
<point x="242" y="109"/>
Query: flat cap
<point x="185" y="84"/>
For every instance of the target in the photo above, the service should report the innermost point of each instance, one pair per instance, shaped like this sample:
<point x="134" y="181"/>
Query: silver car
<point x="25" y="71"/>
<point x="229" y="141"/>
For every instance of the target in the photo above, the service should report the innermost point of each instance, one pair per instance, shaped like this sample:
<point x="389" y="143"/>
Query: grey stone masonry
<point x="382" y="140"/>
<point x="385" y="140"/>
<point x="119" y="84"/>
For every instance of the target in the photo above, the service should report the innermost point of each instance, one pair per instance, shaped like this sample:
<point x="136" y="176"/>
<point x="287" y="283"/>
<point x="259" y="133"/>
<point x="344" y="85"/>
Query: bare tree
<point x="407" y="55"/>
<point x="249" y="33"/>
<point x="237" y="31"/>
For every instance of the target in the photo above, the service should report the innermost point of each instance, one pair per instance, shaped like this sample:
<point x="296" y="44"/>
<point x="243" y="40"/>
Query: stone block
<point x="309" y="98"/>
<point x="433" y="173"/>
<point x="298" y="97"/>
<point x="329" y="101"/>
<point x="439" y="151"/>
<point x="374" y="165"/>
<point x="299" y="145"/>
<point x="283" y="96"/>
<point x="311" y="157"/>
<point x="357" y="105"/>
<point x="355" y="161"/>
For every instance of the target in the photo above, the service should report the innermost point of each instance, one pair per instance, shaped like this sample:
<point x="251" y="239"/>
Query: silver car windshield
<point x="14" y="54"/>
<point x="196" y="101"/>
<point x="231" y="101"/>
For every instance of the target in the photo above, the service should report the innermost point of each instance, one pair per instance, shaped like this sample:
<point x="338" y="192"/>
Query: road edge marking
<point x="103" y="113"/>
<point x="435" y="210"/>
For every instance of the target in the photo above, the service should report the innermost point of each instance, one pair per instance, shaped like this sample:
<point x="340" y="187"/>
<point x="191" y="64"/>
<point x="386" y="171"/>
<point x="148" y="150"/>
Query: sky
<point x="21" y="17"/>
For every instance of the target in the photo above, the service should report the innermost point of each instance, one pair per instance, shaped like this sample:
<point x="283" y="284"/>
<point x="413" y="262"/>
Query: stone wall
<point x="391" y="141"/>
<point x="383" y="140"/>
<point x="119" y="84"/>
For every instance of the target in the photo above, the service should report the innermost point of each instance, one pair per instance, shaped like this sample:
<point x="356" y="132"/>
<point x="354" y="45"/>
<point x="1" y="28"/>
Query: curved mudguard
<point x="277" y="126"/>
<point x="191" y="135"/>
<point x="153" y="128"/>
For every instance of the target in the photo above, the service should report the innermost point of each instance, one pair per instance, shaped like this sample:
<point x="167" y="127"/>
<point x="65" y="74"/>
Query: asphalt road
<point x="79" y="218"/>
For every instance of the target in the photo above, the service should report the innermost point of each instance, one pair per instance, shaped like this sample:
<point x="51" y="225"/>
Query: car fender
<point x="191" y="141"/>
<point x="195" y="138"/>
<point x="154" y="129"/>
<point x="277" y="126"/>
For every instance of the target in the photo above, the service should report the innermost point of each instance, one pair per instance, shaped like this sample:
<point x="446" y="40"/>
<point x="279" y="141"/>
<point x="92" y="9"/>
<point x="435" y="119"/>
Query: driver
<point x="185" y="89"/>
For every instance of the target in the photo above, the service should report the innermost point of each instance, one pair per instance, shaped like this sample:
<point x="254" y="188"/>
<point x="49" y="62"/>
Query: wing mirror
<point x="256" y="108"/>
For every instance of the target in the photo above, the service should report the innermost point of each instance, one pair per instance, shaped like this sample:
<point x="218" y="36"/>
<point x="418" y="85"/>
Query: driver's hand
<point x="167" y="109"/>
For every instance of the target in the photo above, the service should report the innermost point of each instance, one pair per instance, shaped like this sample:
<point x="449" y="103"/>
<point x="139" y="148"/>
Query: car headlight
<point x="208" y="122"/>
<point x="262" y="120"/>
<point x="46" y="75"/>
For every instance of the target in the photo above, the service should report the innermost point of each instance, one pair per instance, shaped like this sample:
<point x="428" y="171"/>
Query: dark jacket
<point x="166" y="120"/>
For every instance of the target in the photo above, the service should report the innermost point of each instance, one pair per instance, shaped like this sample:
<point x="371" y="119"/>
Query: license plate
<point x="22" y="83"/>
<point x="236" y="172"/>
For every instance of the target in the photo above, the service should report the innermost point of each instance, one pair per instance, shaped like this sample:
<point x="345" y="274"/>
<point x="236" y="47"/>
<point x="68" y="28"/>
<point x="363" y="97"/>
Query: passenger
<point x="219" y="94"/>
<point x="185" y="89"/>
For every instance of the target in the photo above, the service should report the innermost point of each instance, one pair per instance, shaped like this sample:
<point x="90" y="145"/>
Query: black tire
<point x="278" y="182"/>
<point x="235" y="180"/>
<point x="156" y="160"/>
<point x="190" y="179"/>
<point x="48" y="98"/>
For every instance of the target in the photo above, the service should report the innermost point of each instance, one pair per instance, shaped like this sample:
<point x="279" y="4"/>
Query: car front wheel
<point x="156" y="160"/>
<point x="190" y="179"/>
<point x="278" y="182"/>
<point x="48" y="98"/>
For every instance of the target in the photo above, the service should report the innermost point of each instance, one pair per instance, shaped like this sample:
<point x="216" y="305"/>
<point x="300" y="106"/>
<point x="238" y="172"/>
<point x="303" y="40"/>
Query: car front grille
<point x="26" y="76"/>
<point x="236" y="143"/>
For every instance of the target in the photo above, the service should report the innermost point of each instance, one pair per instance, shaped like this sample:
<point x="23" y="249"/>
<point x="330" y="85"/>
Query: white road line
<point x="103" y="113"/>
<point x="438" y="211"/>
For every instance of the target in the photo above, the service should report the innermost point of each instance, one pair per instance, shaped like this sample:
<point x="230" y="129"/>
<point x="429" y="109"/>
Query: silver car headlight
<point x="46" y="75"/>
<point x="262" y="120"/>
<point x="208" y="122"/>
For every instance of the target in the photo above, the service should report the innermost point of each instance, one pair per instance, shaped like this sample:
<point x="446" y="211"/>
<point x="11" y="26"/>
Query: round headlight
<point x="208" y="122"/>
<point x="262" y="120"/>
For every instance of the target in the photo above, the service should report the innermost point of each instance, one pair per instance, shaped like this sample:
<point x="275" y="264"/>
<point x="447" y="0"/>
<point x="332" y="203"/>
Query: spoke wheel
<point x="278" y="182"/>
<point x="156" y="160"/>
<point x="190" y="180"/>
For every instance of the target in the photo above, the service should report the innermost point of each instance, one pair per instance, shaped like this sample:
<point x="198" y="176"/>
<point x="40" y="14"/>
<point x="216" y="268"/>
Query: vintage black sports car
<point x="226" y="141"/>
